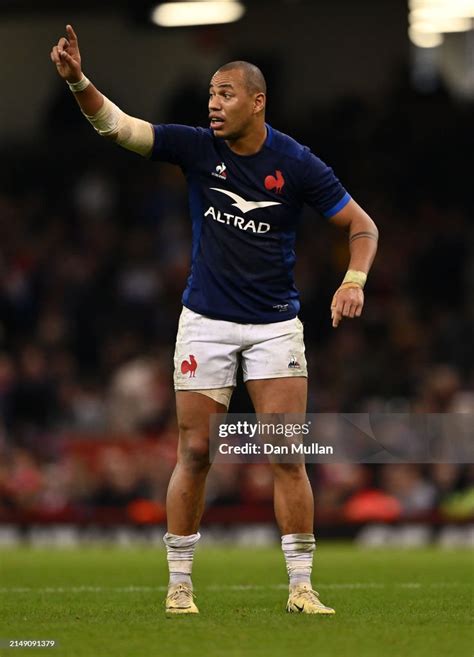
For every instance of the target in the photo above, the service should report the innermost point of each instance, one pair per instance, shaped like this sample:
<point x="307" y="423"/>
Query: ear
<point x="259" y="103"/>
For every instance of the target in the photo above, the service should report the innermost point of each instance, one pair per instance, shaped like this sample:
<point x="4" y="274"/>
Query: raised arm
<point x="106" y="118"/>
<point x="348" y="300"/>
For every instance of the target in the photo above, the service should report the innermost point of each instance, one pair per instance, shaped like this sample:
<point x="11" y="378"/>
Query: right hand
<point x="67" y="57"/>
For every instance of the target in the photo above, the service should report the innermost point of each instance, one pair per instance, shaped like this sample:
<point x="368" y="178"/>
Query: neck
<point x="249" y="144"/>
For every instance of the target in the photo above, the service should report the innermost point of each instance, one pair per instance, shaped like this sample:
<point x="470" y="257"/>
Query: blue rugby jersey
<point x="244" y="211"/>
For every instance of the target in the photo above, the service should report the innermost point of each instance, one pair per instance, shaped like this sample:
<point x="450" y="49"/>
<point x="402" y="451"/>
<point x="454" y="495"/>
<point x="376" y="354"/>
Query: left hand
<point x="347" y="301"/>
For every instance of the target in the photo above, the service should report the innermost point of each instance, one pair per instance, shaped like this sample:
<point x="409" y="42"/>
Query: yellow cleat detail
<point x="303" y="600"/>
<point x="180" y="600"/>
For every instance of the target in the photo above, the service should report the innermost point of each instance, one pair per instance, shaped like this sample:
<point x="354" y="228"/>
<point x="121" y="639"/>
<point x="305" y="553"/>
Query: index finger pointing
<point x="71" y="34"/>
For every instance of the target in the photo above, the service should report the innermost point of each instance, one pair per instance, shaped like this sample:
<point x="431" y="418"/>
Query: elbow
<point x="364" y="223"/>
<point x="373" y="226"/>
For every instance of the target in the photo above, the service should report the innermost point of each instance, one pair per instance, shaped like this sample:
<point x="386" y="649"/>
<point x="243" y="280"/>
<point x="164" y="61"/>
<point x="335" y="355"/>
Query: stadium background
<point x="94" y="252"/>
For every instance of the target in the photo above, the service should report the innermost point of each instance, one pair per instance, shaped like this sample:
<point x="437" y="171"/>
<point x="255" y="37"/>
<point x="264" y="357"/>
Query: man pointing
<point x="247" y="186"/>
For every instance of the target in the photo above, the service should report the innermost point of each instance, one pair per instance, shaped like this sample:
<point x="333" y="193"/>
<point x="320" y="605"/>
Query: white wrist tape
<point x="131" y="133"/>
<point x="79" y="86"/>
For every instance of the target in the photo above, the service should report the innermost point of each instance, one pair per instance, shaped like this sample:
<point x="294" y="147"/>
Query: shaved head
<point x="252" y="75"/>
<point x="237" y="105"/>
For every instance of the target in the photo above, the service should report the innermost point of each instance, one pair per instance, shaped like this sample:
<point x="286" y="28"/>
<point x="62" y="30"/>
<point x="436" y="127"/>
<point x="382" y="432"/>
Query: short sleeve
<point x="322" y="189"/>
<point x="176" y="144"/>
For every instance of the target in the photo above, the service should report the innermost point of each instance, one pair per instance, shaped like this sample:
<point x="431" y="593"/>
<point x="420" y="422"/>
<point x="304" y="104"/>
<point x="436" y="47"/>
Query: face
<point x="232" y="108"/>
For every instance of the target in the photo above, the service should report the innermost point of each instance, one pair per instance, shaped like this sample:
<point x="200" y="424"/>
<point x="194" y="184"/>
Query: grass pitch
<point x="109" y="602"/>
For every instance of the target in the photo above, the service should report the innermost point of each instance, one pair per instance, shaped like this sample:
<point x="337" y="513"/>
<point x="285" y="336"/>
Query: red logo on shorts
<point x="275" y="182"/>
<point x="189" y="366"/>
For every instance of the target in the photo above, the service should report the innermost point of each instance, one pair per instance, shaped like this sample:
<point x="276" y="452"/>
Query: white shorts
<point x="208" y="351"/>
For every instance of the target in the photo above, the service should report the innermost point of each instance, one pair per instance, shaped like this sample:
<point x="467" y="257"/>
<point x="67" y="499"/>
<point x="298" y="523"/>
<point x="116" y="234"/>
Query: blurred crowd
<point x="94" y="255"/>
<point x="110" y="481"/>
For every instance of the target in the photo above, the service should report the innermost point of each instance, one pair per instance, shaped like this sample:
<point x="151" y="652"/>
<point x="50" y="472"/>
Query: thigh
<point x="206" y="353"/>
<point x="281" y="395"/>
<point x="194" y="409"/>
<point x="193" y="412"/>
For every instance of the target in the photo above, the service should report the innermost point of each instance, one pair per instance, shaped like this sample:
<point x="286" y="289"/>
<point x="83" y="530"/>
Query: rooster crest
<point x="275" y="182"/>
<point x="189" y="366"/>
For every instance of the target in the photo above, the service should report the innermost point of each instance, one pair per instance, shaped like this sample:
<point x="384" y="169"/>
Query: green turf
<point x="389" y="603"/>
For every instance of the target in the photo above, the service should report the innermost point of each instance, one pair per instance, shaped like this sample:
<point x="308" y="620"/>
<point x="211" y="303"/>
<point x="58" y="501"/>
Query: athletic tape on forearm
<point x="354" y="276"/>
<point x="131" y="133"/>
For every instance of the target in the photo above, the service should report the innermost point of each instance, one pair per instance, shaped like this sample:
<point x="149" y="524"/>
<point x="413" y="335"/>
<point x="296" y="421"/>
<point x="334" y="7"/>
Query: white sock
<point x="180" y="553"/>
<point x="298" y="550"/>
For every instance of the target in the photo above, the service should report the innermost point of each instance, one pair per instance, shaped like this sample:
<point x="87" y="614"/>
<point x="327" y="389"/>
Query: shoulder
<point x="177" y="143"/>
<point x="287" y="146"/>
<point x="178" y="130"/>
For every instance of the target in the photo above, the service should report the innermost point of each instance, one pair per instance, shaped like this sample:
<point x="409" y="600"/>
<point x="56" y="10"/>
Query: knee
<point x="193" y="451"/>
<point x="289" y="470"/>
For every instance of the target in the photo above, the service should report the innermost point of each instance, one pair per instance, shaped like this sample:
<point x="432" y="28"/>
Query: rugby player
<point x="247" y="185"/>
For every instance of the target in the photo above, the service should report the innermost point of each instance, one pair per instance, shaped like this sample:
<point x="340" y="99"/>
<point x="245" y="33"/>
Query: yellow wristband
<point x="354" y="276"/>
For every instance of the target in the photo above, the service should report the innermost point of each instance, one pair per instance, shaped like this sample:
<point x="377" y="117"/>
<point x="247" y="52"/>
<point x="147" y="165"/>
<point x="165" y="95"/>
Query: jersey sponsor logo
<point x="275" y="182"/>
<point x="243" y="205"/>
<point x="281" y="307"/>
<point x="236" y="221"/>
<point x="189" y="366"/>
<point x="220" y="171"/>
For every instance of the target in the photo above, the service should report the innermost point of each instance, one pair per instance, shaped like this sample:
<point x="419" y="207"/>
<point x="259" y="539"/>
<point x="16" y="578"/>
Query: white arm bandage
<point x="131" y="133"/>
